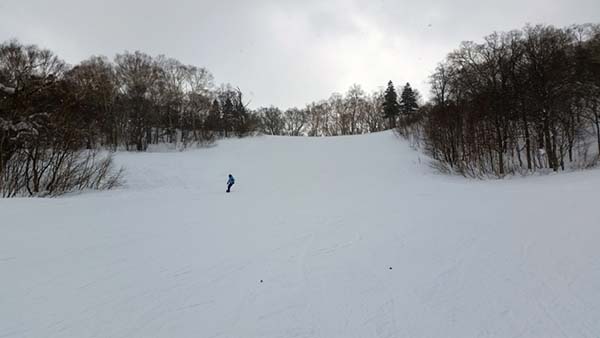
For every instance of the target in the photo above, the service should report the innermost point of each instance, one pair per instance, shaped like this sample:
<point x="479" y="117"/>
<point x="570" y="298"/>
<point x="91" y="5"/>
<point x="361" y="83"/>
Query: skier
<point x="230" y="182"/>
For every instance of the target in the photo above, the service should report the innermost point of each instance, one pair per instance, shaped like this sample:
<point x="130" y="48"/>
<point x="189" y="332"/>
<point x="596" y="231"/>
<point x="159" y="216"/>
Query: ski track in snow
<point x="350" y="236"/>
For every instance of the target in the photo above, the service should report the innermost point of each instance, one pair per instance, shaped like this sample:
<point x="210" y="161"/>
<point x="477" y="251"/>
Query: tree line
<point x="520" y="101"/>
<point x="352" y="113"/>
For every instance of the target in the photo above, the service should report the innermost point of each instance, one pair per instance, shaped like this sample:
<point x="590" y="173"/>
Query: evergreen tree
<point x="408" y="105"/>
<point x="391" y="108"/>
<point x="408" y="101"/>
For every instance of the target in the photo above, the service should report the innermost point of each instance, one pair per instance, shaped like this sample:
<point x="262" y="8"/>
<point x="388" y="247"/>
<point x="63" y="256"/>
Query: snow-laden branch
<point x="7" y="90"/>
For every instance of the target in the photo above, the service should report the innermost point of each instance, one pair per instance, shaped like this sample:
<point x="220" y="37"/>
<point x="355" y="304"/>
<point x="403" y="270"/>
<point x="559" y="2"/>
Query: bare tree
<point x="272" y="120"/>
<point x="295" y="120"/>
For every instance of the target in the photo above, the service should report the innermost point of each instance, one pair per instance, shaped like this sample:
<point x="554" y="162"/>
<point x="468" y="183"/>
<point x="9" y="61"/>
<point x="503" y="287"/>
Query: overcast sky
<point x="282" y="52"/>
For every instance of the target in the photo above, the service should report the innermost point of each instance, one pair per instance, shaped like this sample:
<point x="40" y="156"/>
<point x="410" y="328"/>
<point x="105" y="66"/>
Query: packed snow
<point x="321" y="237"/>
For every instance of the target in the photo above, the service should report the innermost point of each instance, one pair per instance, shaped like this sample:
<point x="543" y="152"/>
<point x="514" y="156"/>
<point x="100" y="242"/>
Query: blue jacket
<point x="231" y="180"/>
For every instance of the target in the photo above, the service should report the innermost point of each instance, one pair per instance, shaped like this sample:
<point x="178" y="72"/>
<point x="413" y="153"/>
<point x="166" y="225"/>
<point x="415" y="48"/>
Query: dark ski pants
<point x="229" y="187"/>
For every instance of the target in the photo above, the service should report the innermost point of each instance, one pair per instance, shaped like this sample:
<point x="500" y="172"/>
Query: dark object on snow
<point x="261" y="280"/>
<point x="390" y="268"/>
<point x="230" y="182"/>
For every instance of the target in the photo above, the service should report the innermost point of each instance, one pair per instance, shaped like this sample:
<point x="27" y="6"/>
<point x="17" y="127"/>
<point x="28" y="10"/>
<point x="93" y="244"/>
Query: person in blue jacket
<point x="230" y="182"/>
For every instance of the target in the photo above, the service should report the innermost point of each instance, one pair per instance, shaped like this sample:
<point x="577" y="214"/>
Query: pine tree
<point x="391" y="108"/>
<point x="408" y="101"/>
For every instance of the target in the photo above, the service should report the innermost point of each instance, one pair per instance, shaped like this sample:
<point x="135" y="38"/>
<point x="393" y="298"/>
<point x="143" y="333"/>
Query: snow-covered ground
<point x="350" y="236"/>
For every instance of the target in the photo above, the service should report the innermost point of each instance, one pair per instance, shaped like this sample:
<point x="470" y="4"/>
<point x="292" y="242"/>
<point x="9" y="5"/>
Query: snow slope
<point x="351" y="237"/>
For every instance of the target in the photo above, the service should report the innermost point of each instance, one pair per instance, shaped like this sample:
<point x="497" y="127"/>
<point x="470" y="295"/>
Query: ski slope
<point x="350" y="236"/>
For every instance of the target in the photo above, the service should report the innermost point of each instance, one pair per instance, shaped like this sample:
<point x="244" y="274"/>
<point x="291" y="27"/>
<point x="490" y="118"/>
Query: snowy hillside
<point x="321" y="237"/>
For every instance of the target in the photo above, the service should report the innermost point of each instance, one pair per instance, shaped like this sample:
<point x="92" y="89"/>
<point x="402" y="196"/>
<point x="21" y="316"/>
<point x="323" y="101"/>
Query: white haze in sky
<point x="281" y="52"/>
